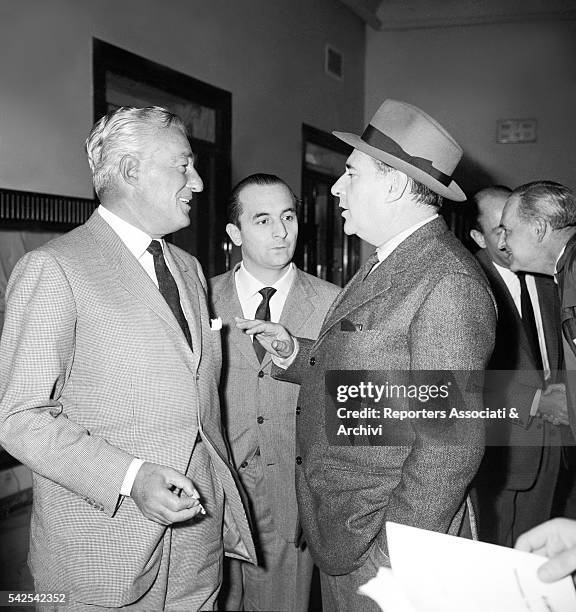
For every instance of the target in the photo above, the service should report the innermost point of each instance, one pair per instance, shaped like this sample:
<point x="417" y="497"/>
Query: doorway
<point x="323" y="248"/>
<point x="124" y="79"/>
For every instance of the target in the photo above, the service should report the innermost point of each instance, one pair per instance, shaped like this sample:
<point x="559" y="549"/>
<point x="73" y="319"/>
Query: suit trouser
<point x="340" y="593"/>
<point x="190" y="573"/>
<point x="506" y="514"/>
<point x="283" y="576"/>
<point x="565" y="502"/>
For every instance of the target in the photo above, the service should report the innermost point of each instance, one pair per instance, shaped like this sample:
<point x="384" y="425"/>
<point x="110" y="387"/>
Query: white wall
<point x="268" y="53"/>
<point x="468" y="77"/>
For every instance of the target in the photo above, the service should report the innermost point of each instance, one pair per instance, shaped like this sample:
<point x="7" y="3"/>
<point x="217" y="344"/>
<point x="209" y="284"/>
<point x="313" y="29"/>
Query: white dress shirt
<point x="137" y="242"/>
<point x="248" y="287"/>
<point x="513" y="284"/>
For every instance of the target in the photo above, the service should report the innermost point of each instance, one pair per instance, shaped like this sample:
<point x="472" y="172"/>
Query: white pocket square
<point x="216" y="324"/>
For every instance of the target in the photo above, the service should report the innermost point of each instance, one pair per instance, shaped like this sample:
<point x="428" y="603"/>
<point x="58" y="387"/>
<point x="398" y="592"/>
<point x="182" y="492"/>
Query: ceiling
<point x="414" y="14"/>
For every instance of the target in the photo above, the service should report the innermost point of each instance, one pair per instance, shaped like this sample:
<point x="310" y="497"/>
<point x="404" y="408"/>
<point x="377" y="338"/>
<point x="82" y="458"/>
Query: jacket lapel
<point x="362" y="289"/>
<point x="298" y="307"/>
<point x="504" y="297"/>
<point x="227" y="306"/>
<point x="550" y="312"/>
<point x="357" y="293"/>
<point x="130" y="273"/>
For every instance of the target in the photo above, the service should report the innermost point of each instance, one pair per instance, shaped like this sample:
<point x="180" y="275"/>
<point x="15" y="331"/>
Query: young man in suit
<point x="260" y="412"/>
<point x="420" y="303"/>
<point x="517" y="479"/>
<point x="109" y="388"/>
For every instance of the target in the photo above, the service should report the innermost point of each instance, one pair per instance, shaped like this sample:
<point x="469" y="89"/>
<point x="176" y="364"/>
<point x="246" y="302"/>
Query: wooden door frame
<point x="108" y="58"/>
<point x="326" y="140"/>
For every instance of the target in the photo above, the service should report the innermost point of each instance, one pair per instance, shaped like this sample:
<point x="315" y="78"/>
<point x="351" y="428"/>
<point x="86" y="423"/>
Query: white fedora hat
<point x="406" y="138"/>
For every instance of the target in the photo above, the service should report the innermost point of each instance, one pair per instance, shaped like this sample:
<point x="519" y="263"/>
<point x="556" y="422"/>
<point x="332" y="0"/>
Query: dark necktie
<point x="370" y="263"/>
<point x="263" y="313"/>
<point x="529" y="321"/>
<point x="168" y="287"/>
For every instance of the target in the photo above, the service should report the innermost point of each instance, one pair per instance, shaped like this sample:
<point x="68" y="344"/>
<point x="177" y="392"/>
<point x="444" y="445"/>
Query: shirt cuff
<point x="130" y="477"/>
<point x="286" y="362"/>
<point x="535" y="403"/>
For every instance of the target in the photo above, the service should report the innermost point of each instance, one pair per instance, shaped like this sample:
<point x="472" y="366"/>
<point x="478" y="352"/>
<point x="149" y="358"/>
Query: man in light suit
<point x="260" y="412"/>
<point x="420" y="303"/>
<point x="517" y="479"/>
<point x="109" y="377"/>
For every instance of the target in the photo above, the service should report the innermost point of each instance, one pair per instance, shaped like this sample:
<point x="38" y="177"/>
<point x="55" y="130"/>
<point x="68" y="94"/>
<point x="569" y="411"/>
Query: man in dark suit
<point x="539" y="223"/>
<point x="109" y="378"/>
<point x="420" y="303"/>
<point x="517" y="479"/>
<point x="259" y="412"/>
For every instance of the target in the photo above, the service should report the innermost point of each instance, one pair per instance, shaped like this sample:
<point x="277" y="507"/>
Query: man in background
<point x="539" y="223"/>
<point x="259" y="412"/>
<point x="109" y="388"/>
<point x="420" y="303"/>
<point x="517" y="480"/>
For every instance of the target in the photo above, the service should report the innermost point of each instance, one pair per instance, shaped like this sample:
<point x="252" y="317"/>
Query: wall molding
<point x="29" y="210"/>
<point x="389" y="22"/>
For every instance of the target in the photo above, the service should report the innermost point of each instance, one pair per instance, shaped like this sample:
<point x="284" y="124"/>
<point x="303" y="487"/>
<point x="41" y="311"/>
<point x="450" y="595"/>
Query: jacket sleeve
<point x="294" y="372"/>
<point x="454" y="328"/>
<point x="36" y="356"/>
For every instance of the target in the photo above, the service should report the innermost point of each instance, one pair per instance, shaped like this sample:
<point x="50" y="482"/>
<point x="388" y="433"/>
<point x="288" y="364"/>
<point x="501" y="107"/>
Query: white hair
<point x="120" y="133"/>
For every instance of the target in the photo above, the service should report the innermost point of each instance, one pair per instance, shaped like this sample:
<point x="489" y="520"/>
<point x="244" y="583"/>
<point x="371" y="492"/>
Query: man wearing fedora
<point x="419" y="303"/>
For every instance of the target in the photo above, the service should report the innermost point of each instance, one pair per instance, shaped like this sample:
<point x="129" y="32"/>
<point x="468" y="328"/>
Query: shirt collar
<point x="506" y="273"/>
<point x="134" y="238"/>
<point x="386" y="249"/>
<point x="248" y="285"/>
<point x="558" y="260"/>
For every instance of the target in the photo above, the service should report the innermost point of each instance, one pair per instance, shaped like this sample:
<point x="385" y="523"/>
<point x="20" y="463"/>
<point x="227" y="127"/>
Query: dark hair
<point x="548" y="200"/>
<point x="234" y="204"/>
<point x="422" y="194"/>
<point x="474" y="209"/>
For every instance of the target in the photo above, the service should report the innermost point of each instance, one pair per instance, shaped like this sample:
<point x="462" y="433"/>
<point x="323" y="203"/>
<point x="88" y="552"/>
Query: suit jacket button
<point x="298" y="410"/>
<point x="261" y="374"/>
<point x="260" y="420"/>
<point x="298" y="460"/>
<point x="312" y="360"/>
<point x="244" y="464"/>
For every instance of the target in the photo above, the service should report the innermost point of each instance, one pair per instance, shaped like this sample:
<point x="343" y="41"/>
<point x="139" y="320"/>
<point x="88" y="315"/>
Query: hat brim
<point x="450" y="192"/>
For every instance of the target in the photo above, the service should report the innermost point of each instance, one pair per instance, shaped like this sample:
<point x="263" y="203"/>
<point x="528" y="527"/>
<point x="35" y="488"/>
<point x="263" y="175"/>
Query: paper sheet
<point x="434" y="572"/>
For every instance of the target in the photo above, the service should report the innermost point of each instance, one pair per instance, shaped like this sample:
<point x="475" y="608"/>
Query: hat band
<point x="375" y="138"/>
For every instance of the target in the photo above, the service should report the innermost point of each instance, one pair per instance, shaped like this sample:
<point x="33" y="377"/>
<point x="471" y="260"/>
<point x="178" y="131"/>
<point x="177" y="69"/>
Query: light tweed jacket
<point x="426" y="307"/>
<point x="94" y="370"/>
<point x="260" y="412"/>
